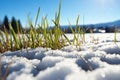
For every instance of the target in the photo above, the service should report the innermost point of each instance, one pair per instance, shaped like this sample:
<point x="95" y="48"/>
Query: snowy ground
<point x="97" y="59"/>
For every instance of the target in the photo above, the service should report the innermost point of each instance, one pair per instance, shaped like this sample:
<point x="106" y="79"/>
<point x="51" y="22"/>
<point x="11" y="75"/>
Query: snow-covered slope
<point x="97" y="59"/>
<point x="109" y="24"/>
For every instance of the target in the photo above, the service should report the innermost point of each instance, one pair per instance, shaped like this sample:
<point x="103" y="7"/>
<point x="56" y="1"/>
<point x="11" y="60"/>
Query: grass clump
<point x="42" y="37"/>
<point x="79" y="34"/>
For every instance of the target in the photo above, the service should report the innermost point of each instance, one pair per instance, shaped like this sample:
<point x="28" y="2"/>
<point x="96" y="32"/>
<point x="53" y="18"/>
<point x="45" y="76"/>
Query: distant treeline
<point x="16" y="25"/>
<point x="92" y="28"/>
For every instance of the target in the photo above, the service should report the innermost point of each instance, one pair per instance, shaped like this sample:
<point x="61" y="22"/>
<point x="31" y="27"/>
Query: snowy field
<point x="97" y="59"/>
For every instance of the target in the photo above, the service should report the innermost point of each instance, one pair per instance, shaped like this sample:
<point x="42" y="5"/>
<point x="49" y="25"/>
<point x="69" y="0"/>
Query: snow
<point x="97" y="59"/>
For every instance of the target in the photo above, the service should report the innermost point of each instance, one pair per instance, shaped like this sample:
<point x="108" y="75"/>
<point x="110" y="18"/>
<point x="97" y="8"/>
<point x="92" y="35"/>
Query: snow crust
<point x="94" y="60"/>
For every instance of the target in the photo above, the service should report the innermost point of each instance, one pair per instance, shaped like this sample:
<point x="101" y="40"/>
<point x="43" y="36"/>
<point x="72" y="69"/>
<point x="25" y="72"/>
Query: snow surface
<point x="97" y="59"/>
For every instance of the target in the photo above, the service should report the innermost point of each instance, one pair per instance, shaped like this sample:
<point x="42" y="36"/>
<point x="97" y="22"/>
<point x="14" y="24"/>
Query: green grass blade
<point x="31" y="34"/>
<point x="14" y="37"/>
<point x="37" y="16"/>
<point x="74" y="33"/>
<point x="66" y="38"/>
<point x="115" y="40"/>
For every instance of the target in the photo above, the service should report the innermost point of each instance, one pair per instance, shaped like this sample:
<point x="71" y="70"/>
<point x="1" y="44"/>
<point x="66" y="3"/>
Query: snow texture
<point x="97" y="59"/>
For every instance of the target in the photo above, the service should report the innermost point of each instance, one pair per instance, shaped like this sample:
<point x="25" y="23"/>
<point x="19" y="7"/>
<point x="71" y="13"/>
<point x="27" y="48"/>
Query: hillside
<point x="107" y="27"/>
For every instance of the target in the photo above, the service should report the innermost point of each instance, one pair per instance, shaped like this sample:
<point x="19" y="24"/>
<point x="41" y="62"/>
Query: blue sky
<point x="94" y="11"/>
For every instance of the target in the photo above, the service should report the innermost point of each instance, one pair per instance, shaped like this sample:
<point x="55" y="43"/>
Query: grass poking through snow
<point x="44" y="37"/>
